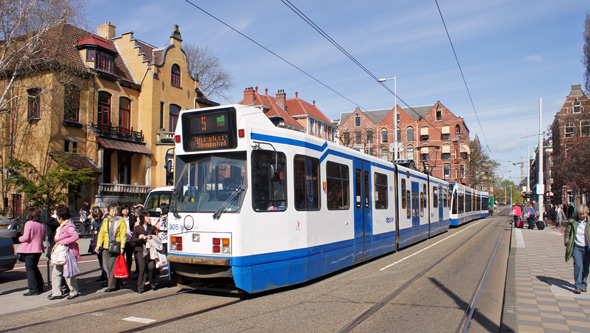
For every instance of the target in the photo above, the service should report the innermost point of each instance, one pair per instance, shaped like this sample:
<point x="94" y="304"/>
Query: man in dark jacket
<point x="577" y="235"/>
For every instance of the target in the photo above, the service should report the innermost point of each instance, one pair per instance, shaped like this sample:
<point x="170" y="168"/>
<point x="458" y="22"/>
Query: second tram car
<point x="467" y="204"/>
<point x="257" y="207"/>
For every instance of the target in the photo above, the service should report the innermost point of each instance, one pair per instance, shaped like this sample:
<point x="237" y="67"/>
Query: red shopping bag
<point x="121" y="271"/>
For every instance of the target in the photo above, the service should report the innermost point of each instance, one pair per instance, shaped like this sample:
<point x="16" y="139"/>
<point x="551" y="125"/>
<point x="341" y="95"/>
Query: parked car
<point x="7" y="233"/>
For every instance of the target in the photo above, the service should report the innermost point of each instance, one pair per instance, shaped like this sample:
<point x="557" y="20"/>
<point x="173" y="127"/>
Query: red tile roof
<point x="298" y="107"/>
<point x="274" y="108"/>
<point x="95" y="40"/>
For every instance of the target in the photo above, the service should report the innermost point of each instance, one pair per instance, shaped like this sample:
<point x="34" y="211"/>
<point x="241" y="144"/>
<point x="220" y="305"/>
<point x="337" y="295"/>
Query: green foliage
<point x="50" y="188"/>
<point x="481" y="166"/>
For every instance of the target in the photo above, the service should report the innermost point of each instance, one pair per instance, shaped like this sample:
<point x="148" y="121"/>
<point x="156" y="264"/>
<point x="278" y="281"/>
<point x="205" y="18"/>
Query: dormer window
<point x="175" y="76"/>
<point x="90" y="55"/>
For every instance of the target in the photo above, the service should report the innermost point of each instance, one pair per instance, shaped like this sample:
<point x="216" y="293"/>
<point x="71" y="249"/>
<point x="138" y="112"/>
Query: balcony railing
<point x="113" y="188"/>
<point x="118" y="132"/>
<point x="165" y="137"/>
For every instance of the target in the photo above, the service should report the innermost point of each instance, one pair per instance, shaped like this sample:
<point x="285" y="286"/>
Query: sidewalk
<point x="543" y="282"/>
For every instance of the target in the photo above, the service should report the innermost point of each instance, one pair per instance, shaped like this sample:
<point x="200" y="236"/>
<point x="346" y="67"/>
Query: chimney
<point x="106" y="30"/>
<point x="249" y="96"/>
<point x="282" y="99"/>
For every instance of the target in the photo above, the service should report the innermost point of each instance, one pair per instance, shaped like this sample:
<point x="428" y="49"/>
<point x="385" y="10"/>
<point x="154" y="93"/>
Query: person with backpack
<point x="530" y="215"/>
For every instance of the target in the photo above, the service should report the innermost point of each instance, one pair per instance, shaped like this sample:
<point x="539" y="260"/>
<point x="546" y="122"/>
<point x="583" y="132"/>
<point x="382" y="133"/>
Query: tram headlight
<point x="196" y="238"/>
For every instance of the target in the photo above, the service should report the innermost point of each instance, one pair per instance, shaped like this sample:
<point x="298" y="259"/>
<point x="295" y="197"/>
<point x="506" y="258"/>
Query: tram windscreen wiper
<point x="225" y="204"/>
<point x="174" y="204"/>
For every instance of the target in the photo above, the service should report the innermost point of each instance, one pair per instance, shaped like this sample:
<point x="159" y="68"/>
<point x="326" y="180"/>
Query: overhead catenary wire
<point x="463" y="77"/>
<point x="273" y="53"/>
<point x="352" y="58"/>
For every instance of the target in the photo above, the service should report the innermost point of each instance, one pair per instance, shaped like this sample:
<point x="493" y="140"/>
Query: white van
<point x="155" y="198"/>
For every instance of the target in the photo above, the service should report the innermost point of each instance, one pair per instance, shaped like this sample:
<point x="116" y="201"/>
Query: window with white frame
<point x="569" y="129"/>
<point x="447" y="171"/>
<point x="383" y="135"/>
<point x="357" y="121"/>
<point x="585" y="127"/>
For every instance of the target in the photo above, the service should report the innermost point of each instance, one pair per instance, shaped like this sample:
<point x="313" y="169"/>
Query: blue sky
<point x="512" y="53"/>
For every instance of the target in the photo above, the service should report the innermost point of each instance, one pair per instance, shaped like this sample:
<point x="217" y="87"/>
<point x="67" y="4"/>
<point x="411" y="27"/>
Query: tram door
<point x="363" y="217"/>
<point x="441" y="212"/>
<point x="415" y="210"/>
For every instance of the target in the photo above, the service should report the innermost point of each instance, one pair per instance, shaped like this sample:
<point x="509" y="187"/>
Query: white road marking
<point x="519" y="239"/>
<point x="428" y="247"/>
<point x="139" y="320"/>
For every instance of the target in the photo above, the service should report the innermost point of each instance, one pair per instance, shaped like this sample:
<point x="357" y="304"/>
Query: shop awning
<point x="121" y="145"/>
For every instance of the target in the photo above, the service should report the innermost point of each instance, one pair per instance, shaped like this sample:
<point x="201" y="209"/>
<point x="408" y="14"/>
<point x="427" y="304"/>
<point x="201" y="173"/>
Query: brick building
<point x="430" y="135"/>
<point x="570" y="123"/>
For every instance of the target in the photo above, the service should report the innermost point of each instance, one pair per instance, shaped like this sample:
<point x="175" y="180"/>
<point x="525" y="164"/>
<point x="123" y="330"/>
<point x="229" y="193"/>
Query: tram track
<point x="38" y="324"/>
<point x="469" y="310"/>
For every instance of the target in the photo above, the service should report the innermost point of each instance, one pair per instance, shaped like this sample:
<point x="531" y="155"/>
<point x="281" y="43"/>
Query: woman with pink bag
<point x="65" y="235"/>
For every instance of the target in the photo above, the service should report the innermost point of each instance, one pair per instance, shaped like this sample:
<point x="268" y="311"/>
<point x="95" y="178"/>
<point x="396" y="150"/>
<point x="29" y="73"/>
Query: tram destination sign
<point x="209" y="130"/>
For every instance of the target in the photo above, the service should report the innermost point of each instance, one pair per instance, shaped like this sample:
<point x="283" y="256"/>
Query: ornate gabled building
<point x="430" y="135"/>
<point x="294" y="113"/>
<point x="114" y="102"/>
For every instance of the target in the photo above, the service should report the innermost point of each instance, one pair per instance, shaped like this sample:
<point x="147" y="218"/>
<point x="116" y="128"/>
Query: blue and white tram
<point x="467" y="204"/>
<point x="259" y="207"/>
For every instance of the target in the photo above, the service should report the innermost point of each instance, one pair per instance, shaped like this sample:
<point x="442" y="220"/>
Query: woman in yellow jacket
<point x="111" y="225"/>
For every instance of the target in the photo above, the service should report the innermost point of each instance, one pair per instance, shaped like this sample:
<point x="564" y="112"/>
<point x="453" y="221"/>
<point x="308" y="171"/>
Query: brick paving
<point x="545" y="301"/>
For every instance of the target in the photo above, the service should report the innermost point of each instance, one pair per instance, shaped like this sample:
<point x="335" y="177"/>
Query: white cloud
<point x="534" y="57"/>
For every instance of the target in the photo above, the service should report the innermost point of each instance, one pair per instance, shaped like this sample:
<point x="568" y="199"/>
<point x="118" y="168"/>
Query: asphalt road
<point x="435" y="302"/>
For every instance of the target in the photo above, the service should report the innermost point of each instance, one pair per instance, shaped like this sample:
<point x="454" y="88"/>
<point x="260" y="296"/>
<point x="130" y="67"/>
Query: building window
<point x="464" y="155"/>
<point x="173" y="119"/>
<point x="105" y="62"/>
<point x="369" y="137"/>
<point x="424" y="137"/>
<point x="34" y="103"/>
<point x="577" y="106"/>
<point x="104" y="109"/>
<point x="457" y="129"/>
<point x="569" y="129"/>
<point x="399" y="119"/>
<point x="124" y="168"/>
<point x="384" y="153"/>
<point x="357" y="121"/>
<point x="445" y="137"/>
<point x="71" y="102"/>
<point x="410" y="153"/>
<point x="447" y="171"/>
<point x="438" y="115"/>
<point x="446" y="156"/>
<point x="346" y="138"/>
<point x="73" y="143"/>
<point x="424" y="157"/>
<point x="462" y="171"/>
<point x="311" y="126"/>
<point x="162" y="115"/>
<point x="383" y="135"/>
<point x="585" y="127"/>
<point x="175" y="79"/>
<point x="399" y="134"/>
<point x="410" y="134"/>
<point x="125" y="115"/>
<point x="358" y="137"/>
<point x="90" y="55"/>
<point x="320" y="129"/>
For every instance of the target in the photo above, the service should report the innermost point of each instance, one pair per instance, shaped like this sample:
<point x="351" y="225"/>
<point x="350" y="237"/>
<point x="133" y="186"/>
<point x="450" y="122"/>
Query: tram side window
<point x="484" y="204"/>
<point x="380" y="191"/>
<point x="435" y="197"/>
<point x="422" y="203"/>
<point x="461" y="203"/>
<point x="307" y="183"/>
<point x="455" y="203"/>
<point x="403" y="194"/>
<point x="338" y="186"/>
<point x="468" y="199"/>
<point x="269" y="188"/>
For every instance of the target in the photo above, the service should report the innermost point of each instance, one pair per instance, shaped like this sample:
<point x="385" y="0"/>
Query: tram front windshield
<point x="210" y="183"/>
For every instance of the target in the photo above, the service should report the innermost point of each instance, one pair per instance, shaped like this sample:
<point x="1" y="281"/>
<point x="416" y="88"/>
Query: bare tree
<point x="206" y="68"/>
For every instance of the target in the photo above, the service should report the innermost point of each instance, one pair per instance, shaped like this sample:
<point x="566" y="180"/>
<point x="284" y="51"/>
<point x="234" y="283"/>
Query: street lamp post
<point x="395" y="153"/>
